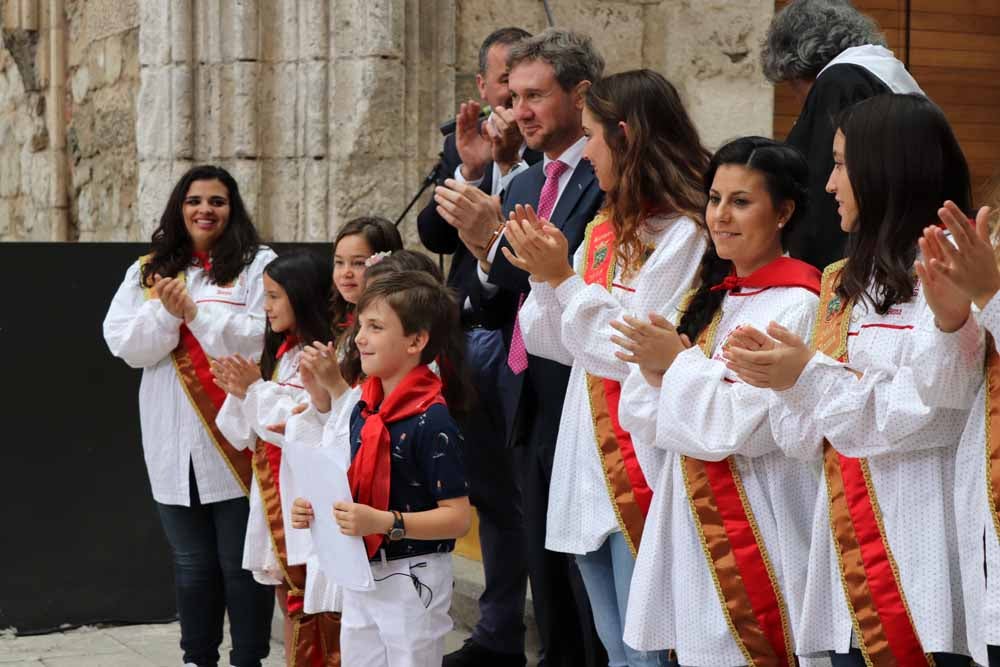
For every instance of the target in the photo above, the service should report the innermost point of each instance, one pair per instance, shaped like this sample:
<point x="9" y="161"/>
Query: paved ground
<point x="157" y="645"/>
<point x="127" y="646"/>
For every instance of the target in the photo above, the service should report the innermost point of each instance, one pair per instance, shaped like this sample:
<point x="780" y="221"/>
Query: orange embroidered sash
<point x="737" y="557"/>
<point x="881" y="617"/>
<point x="195" y="375"/>
<point x="993" y="432"/>
<point x="627" y="488"/>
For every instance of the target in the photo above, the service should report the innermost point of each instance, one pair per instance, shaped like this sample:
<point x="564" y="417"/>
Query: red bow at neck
<point x="782" y="272"/>
<point x="370" y="470"/>
<point x="204" y="260"/>
<point x="291" y="340"/>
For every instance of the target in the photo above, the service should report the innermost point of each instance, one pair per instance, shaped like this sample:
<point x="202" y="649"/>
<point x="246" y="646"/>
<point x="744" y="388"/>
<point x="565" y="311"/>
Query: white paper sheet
<point x="321" y="479"/>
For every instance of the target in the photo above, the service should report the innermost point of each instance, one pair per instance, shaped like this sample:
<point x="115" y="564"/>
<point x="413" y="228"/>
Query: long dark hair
<point x="400" y="260"/>
<point x="381" y="236"/>
<point x="172" y="248"/>
<point x="307" y="281"/>
<point x="659" y="164"/>
<point x="786" y="175"/>
<point x="902" y="161"/>
<point x="424" y="304"/>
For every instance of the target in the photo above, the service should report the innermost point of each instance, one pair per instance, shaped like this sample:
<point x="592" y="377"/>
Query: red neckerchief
<point x="782" y="272"/>
<point x="370" y="470"/>
<point x="291" y="340"/>
<point x="204" y="260"/>
<point x="348" y="321"/>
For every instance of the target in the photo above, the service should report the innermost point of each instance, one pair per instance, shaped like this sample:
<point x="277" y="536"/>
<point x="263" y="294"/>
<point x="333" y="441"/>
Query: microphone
<point x="449" y="127"/>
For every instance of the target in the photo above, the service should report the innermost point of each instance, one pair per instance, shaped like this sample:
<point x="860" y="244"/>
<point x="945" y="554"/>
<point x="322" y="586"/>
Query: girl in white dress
<point x="881" y="398"/>
<point x="639" y="255"/>
<point x="721" y="572"/>
<point x="296" y="293"/>
<point x="971" y="265"/>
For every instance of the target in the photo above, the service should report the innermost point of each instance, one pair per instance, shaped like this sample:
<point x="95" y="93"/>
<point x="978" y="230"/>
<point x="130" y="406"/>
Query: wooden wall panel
<point x="954" y="54"/>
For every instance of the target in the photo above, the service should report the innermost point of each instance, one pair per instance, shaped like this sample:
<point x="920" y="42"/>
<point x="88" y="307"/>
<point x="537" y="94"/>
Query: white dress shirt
<point x="140" y="331"/>
<point x="571" y="325"/>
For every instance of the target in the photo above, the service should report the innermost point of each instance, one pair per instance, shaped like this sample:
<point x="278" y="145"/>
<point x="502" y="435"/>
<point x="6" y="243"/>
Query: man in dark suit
<point x="549" y="76"/>
<point x="483" y="156"/>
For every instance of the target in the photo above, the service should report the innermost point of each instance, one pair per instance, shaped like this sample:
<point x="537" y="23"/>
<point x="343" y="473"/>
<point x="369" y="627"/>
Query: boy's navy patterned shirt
<point x="426" y="467"/>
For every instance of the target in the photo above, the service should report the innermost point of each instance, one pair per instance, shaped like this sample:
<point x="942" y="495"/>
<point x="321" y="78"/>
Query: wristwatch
<point x="398" y="530"/>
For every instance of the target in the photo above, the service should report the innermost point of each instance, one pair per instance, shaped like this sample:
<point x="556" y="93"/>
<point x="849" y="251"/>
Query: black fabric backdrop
<point x="82" y="540"/>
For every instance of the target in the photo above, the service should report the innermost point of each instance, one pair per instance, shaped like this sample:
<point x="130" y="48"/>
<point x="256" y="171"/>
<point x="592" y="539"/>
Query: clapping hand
<point x="970" y="265"/>
<point x="234" y="374"/>
<point x="774" y="361"/>
<point x="174" y="296"/>
<point x="651" y="345"/>
<point x="472" y="141"/>
<point x="539" y="247"/>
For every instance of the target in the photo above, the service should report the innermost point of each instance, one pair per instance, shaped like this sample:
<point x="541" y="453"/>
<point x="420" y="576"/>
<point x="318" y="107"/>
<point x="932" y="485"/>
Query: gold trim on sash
<point x="599" y="268"/>
<point x="238" y="463"/>
<point x="992" y="433"/>
<point x="723" y="566"/>
<point x="882" y="645"/>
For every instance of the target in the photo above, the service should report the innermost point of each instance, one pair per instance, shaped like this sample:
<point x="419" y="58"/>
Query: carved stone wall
<point x="320" y="109"/>
<point x="323" y="109"/>
<point x="707" y="48"/>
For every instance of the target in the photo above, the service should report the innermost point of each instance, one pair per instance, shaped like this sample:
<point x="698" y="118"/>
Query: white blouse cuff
<point x="804" y="396"/>
<point x="569" y="289"/>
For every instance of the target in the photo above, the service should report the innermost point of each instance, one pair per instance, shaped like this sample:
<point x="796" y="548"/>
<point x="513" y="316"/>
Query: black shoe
<point x="476" y="655"/>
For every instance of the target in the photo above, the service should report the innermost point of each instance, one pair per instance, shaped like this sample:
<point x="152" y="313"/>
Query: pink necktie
<point x="517" y="358"/>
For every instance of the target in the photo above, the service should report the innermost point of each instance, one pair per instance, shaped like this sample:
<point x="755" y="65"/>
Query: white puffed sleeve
<point x="637" y="413"/>
<point x="918" y="404"/>
<point x="588" y="310"/>
<point x="705" y="411"/>
<point x="269" y="403"/>
<point x="234" y="425"/>
<point x="540" y="320"/>
<point x="989" y="318"/>
<point x="138" y="330"/>
<point x="221" y="330"/>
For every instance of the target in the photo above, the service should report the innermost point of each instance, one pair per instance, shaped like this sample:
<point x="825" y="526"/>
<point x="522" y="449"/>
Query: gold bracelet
<point x="493" y="238"/>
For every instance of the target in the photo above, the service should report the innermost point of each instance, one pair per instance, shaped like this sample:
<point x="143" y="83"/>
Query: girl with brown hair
<point x="640" y="254"/>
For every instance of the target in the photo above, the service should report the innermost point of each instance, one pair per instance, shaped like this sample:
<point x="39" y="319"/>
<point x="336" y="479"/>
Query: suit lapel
<point x="581" y="179"/>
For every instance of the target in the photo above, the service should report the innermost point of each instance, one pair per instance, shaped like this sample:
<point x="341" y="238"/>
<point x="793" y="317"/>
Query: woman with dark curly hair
<point x="832" y="55"/>
<point x="198" y="295"/>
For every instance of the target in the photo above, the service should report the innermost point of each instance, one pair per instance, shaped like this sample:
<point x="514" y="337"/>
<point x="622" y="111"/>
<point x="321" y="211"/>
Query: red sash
<point x="737" y="556"/>
<point x="195" y="375"/>
<point x="627" y="488"/>
<point x="869" y="574"/>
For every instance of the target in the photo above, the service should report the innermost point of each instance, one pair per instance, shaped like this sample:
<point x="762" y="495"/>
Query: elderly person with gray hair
<point x="833" y="56"/>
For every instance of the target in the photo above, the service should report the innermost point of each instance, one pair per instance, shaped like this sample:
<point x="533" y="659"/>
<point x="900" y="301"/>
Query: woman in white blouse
<point x="721" y="572"/>
<point x="198" y="295"/>
<point x="639" y="255"/>
<point x="880" y="398"/>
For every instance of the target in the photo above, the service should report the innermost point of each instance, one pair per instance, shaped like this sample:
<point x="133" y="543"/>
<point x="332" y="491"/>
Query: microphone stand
<point x="432" y="177"/>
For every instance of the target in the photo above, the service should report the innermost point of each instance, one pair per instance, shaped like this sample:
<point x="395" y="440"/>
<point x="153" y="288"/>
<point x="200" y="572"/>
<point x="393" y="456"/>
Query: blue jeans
<point x="207" y="543"/>
<point x="856" y="659"/>
<point x="607" y="575"/>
